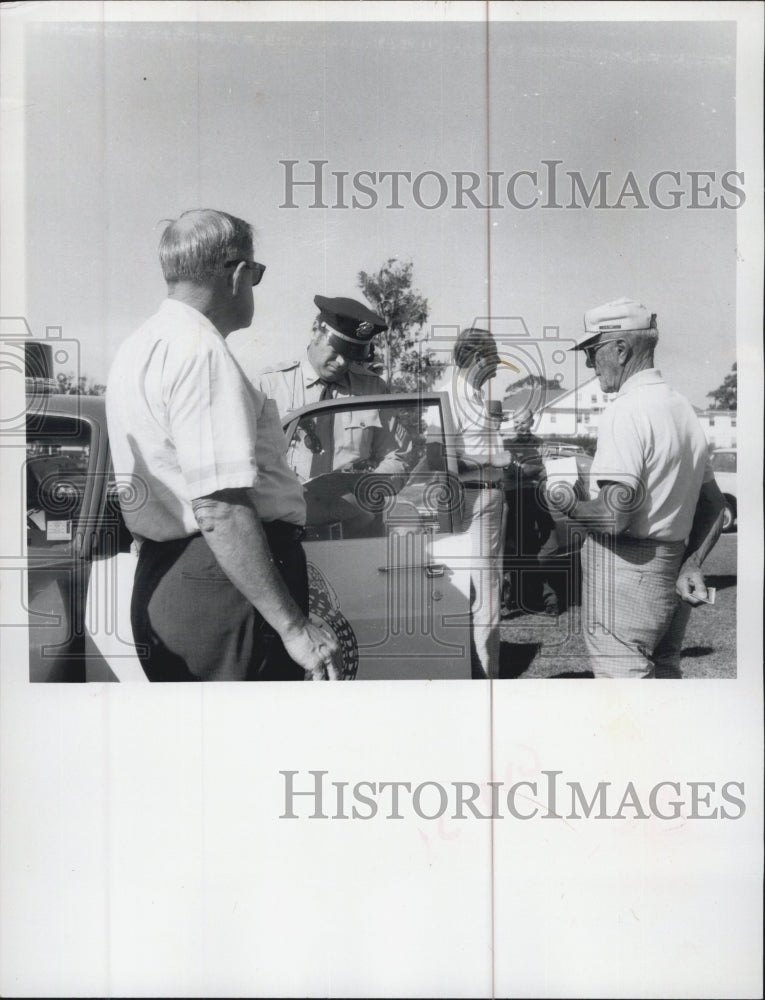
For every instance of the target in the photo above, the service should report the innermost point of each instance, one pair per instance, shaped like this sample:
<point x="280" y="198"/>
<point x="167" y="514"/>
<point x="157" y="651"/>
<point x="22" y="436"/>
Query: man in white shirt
<point x="482" y="459"/>
<point x="220" y="589"/>
<point x="659" y="510"/>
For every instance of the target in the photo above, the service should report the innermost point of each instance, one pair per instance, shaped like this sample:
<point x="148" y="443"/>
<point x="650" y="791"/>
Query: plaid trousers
<point x="634" y="622"/>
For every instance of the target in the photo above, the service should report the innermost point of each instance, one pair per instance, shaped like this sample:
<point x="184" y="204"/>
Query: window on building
<point x="711" y="421"/>
<point x="733" y="422"/>
<point x="587" y="418"/>
<point x="553" y="418"/>
<point x="593" y="398"/>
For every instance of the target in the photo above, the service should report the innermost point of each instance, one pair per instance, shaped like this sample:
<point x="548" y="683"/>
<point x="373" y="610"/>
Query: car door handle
<point x="431" y="569"/>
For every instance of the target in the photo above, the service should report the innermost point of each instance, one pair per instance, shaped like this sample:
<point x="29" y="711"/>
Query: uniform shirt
<point x="480" y="450"/>
<point x="184" y="423"/>
<point x="293" y="384"/>
<point x="358" y="434"/>
<point x="651" y="439"/>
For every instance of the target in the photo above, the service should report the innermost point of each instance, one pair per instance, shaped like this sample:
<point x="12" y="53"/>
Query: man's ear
<point x="624" y="349"/>
<point x="239" y="274"/>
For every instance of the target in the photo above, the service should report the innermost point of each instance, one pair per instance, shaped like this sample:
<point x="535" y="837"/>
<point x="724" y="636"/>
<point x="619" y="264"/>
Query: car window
<point x="724" y="461"/>
<point x="368" y="469"/>
<point x="57" y="469"/>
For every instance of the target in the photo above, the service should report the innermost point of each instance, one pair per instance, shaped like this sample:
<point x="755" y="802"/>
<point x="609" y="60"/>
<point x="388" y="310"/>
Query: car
<point x="388" y="554"/>
<point x="561" y="449"/>
<point x="724" y="462"/>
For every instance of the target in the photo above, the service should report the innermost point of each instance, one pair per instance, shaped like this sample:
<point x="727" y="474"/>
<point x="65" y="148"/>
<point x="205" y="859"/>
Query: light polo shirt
<point x="651" y="439"/>
<point x="185" y="423"/>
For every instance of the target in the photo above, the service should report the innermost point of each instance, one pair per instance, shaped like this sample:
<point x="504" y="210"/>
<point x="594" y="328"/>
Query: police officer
<point x="333" y="367"/>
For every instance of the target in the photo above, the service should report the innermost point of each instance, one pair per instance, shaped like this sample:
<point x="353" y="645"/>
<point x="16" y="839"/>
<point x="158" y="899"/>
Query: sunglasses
<point x="256" y="268"/>
<point x="590" y="352"/>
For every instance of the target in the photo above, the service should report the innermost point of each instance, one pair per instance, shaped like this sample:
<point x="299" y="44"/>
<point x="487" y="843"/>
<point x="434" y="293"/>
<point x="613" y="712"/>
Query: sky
<point x="131" y="123"/>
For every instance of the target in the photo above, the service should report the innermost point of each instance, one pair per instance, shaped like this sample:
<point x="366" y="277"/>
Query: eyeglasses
<point x="590" y="352"/>
<point x="256" y="268"/>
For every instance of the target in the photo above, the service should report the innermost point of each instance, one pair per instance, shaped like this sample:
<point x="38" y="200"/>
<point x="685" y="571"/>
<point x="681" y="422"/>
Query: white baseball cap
<point x="612" y="318"/>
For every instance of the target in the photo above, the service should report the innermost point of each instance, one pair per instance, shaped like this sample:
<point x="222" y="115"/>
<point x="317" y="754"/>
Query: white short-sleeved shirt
<point x="651" y="439"/>
<point x="479" y="444"/>
<point x="184" y="423"/>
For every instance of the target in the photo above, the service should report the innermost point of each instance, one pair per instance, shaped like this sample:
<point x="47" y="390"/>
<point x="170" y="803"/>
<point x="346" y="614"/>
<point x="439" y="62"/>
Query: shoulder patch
<point x="280" y="366"/>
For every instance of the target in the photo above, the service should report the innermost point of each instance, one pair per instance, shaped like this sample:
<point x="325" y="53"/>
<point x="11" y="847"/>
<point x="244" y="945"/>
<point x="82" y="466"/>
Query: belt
<point x="478" y="485"/>
<point x="283" y="531"/>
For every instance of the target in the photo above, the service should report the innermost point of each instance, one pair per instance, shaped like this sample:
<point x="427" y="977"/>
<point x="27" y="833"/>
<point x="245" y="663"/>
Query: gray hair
<point x="197" y="244"/>
<point x="642" y="342"/>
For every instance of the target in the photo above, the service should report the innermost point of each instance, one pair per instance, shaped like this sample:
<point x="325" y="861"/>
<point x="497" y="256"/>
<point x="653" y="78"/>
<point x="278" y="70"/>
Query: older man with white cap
<point x="658" y="511"/>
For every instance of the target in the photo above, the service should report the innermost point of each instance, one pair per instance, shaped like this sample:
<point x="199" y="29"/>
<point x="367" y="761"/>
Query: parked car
<point x="724" y="464"/>
<point x="388" y="554"/>
<point x="561" y="449"/>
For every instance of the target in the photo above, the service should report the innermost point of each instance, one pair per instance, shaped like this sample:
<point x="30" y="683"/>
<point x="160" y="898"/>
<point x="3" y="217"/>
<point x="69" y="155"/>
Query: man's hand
<point x="705" y="530"/>
<point x="316" y="651"/>
<point x="690" y="585"/>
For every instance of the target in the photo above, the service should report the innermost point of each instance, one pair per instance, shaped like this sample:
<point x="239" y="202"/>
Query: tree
<point x="408" y="365"/>
<point x="82" y="385"/>
<point x="725" y="396"/>
<point x="531" y="382"/>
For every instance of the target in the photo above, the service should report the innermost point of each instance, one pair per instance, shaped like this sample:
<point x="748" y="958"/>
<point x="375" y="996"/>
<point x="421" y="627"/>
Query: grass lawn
<point x="539" y="646"/>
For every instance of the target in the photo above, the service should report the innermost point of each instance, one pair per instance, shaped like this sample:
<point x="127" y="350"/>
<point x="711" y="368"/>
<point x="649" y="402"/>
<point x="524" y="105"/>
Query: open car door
<point x="388" y="561"/>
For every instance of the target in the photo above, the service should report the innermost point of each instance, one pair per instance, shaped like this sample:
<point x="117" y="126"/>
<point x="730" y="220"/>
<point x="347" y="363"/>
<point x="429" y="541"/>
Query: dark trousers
<point x="530" y="538"/>
<point x="191" y="623"/>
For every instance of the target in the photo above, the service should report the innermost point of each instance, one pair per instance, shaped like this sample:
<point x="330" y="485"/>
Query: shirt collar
<point x="310" y="378"/>
<point x="469" y="388"/>
<point x="648" y="376"/>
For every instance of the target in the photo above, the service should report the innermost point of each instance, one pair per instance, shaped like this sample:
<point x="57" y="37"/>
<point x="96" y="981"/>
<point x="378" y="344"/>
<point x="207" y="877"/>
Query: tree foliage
<point x="725" y="396"/>
<point x="531" y="382"/>
<point x="407" y="364"/>
<point x="71" y="385"/>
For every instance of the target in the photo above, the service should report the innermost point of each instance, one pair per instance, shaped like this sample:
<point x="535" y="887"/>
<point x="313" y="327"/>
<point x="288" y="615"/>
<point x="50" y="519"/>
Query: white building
<point x="719" y="427"/>
<point x="577" y="412"/>
<point x="569" y="412"/>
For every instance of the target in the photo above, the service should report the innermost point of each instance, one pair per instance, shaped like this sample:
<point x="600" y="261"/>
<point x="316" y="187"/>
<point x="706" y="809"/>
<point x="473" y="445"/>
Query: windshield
<point x="724" y="461"/>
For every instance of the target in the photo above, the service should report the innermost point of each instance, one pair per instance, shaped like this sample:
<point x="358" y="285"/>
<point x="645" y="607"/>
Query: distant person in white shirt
<point x="221" y="590"/>
<point x="659" y="510"/>
<point x="482" y="459"/>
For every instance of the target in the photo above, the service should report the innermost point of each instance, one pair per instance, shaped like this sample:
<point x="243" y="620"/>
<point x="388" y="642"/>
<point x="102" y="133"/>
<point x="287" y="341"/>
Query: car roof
<point x="66" y="404"/>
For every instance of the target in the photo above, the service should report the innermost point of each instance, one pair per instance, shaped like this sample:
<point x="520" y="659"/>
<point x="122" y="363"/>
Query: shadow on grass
<point x="697" y="651"/>
<point x="587" y="674"/>
<point x="516" y="657"/>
